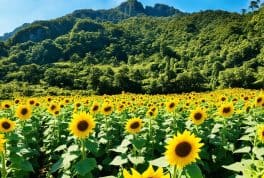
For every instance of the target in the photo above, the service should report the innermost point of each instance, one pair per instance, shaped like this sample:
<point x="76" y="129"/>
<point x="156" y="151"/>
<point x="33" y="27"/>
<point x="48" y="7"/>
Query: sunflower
<point x="23" y="112"/>
<point x="261" y="133"/>
<point x="170" y="106"/>
<point x="53" y="107"/>
<point x="134" y="174"/>
<point x="6" y="105"/>
<point x="152" y="112"/>
<point x="82" y="125"/>
<point x="154" y="174"/>
<point x="95" y="108"/>
<point x="133" y="125"/>
<point x="7" y="125"/>
<point x="107" y="108"/>
<point x="226" y="110"/>
<point x="183" y="149"/>
<point x="198" y="116"/>
<point x="31" y="101"/>
<point x="259" y="100"/>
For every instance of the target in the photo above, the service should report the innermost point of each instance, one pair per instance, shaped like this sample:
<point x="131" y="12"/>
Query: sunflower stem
<point x="83" y="149"/>
<point x="150" y="135"/>
<point x="175" y="172"/>
<point x="3" y="171"/>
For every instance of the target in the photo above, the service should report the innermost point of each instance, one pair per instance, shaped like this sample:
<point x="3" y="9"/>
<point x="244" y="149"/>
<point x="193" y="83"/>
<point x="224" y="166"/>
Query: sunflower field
<point x="190" y="135"/>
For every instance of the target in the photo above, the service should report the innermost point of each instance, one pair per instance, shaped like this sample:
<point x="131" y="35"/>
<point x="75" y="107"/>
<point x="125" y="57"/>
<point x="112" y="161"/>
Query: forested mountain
<point x="129" y="48"/>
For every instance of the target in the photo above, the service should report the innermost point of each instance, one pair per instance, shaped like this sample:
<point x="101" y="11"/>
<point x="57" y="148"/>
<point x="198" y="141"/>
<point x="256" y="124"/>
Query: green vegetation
<point x="91" y="52"/>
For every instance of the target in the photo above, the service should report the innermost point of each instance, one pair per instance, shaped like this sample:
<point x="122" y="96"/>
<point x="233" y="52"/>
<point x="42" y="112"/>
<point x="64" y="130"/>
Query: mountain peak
<point x="131" y="8"/>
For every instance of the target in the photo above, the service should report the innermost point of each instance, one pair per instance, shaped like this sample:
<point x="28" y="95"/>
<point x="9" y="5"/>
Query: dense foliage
<point x="181" y="53"/>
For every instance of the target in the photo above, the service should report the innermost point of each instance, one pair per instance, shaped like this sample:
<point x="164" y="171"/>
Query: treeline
<point x="195" y="52"/>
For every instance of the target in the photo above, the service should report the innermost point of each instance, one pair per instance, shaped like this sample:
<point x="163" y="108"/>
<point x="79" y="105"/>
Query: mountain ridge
<point x="125" y="10"/>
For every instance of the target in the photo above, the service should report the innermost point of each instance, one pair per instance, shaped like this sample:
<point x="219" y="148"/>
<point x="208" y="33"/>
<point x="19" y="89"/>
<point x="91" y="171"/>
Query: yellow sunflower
<point x="23" y="112"/>
<point x="7" y="125"/>
<point x="259" y="100"/>
<point x="53" y="107"/>
<point x="226" y="110"/>
<point x="154" y="174"/>
<point x="261" y="133"/>
<point x="134" y="174"/>
<point x="82" y="125"/>
<point x="6" y="105"/>
<point x="152" y="112"/>
<point x="183" y="149"/>
<point x="170" y="106"/>
<point x="134" y="125"/>
<point x="95" y="108"/>
<point x="198" y="116"/>
<point x="107" y="108"/>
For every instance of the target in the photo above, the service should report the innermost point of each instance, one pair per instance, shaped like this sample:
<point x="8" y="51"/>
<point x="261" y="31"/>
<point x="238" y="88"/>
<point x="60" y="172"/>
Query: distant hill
<point x="127" y="49"/>
<point x="123" y="11"/>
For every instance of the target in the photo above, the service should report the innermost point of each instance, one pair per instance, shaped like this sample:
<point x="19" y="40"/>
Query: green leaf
<point x="160" y="162"/>
<point x="61" y="147"/>
<point x="56" y="165"/>
<point x="91" y="146"/>
<point x="245" y="149"/>
<point x="118" y="160"/>
<point x="193" y="171"/>
<point x="237" y="167"/>
<point x="259" y="152"/>
<point x="22" y="164"/>
<point x="136" y="159"/>
<point x="138" y="143"/>
<point x="83" y="167"/>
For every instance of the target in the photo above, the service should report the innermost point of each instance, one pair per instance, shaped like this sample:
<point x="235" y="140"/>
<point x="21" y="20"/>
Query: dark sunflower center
<point x="107" y="109"/>
<point x="56" y="112"/>
<point x="171" y="105"/>
<point x="226" y="109"/>
<point x="134" y="125"/>
<point x="31" y="102"/>
<point x="95" y="108"/>
<point x="223" y="99"/>
<point x="198" y="116"/>
<point x="7" y="106"/>
<point x="78" y="104"/>
<point x="53" y="107"/>
<point x="24" y="111"/>
<point x="245" y="98"/>
<point x="183" y="149"/>
<point x="151" y="113"/>
<point x="82" y="125"/>
<point x="6" y="125"/>
<point x="259" y="100"/>
<point x="262" y="133"/>
<point x="16" y="101"/>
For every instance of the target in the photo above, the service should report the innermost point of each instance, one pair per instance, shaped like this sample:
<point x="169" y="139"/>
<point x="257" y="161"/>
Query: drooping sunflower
<point x="183" y="149"/>
<point x="107" y="108"/>
<point x="6" y="125"/>
<point x="24" y="112"/>
<point x="260" y="133"/>
<point x="170" y="106"/>
<point x="134" y="174"/>
<point x="198" y="116"/>
<point x="134" y="125"/>
<point x="226" y="110"/>
<point x="154" y="174"/>
<point x="82" y="125"/>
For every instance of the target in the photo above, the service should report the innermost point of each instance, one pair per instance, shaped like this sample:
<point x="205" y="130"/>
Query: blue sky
<point x="14" y="13"/>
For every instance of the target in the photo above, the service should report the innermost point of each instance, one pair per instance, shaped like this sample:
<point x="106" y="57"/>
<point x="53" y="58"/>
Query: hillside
<point x="88" y="51"/>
